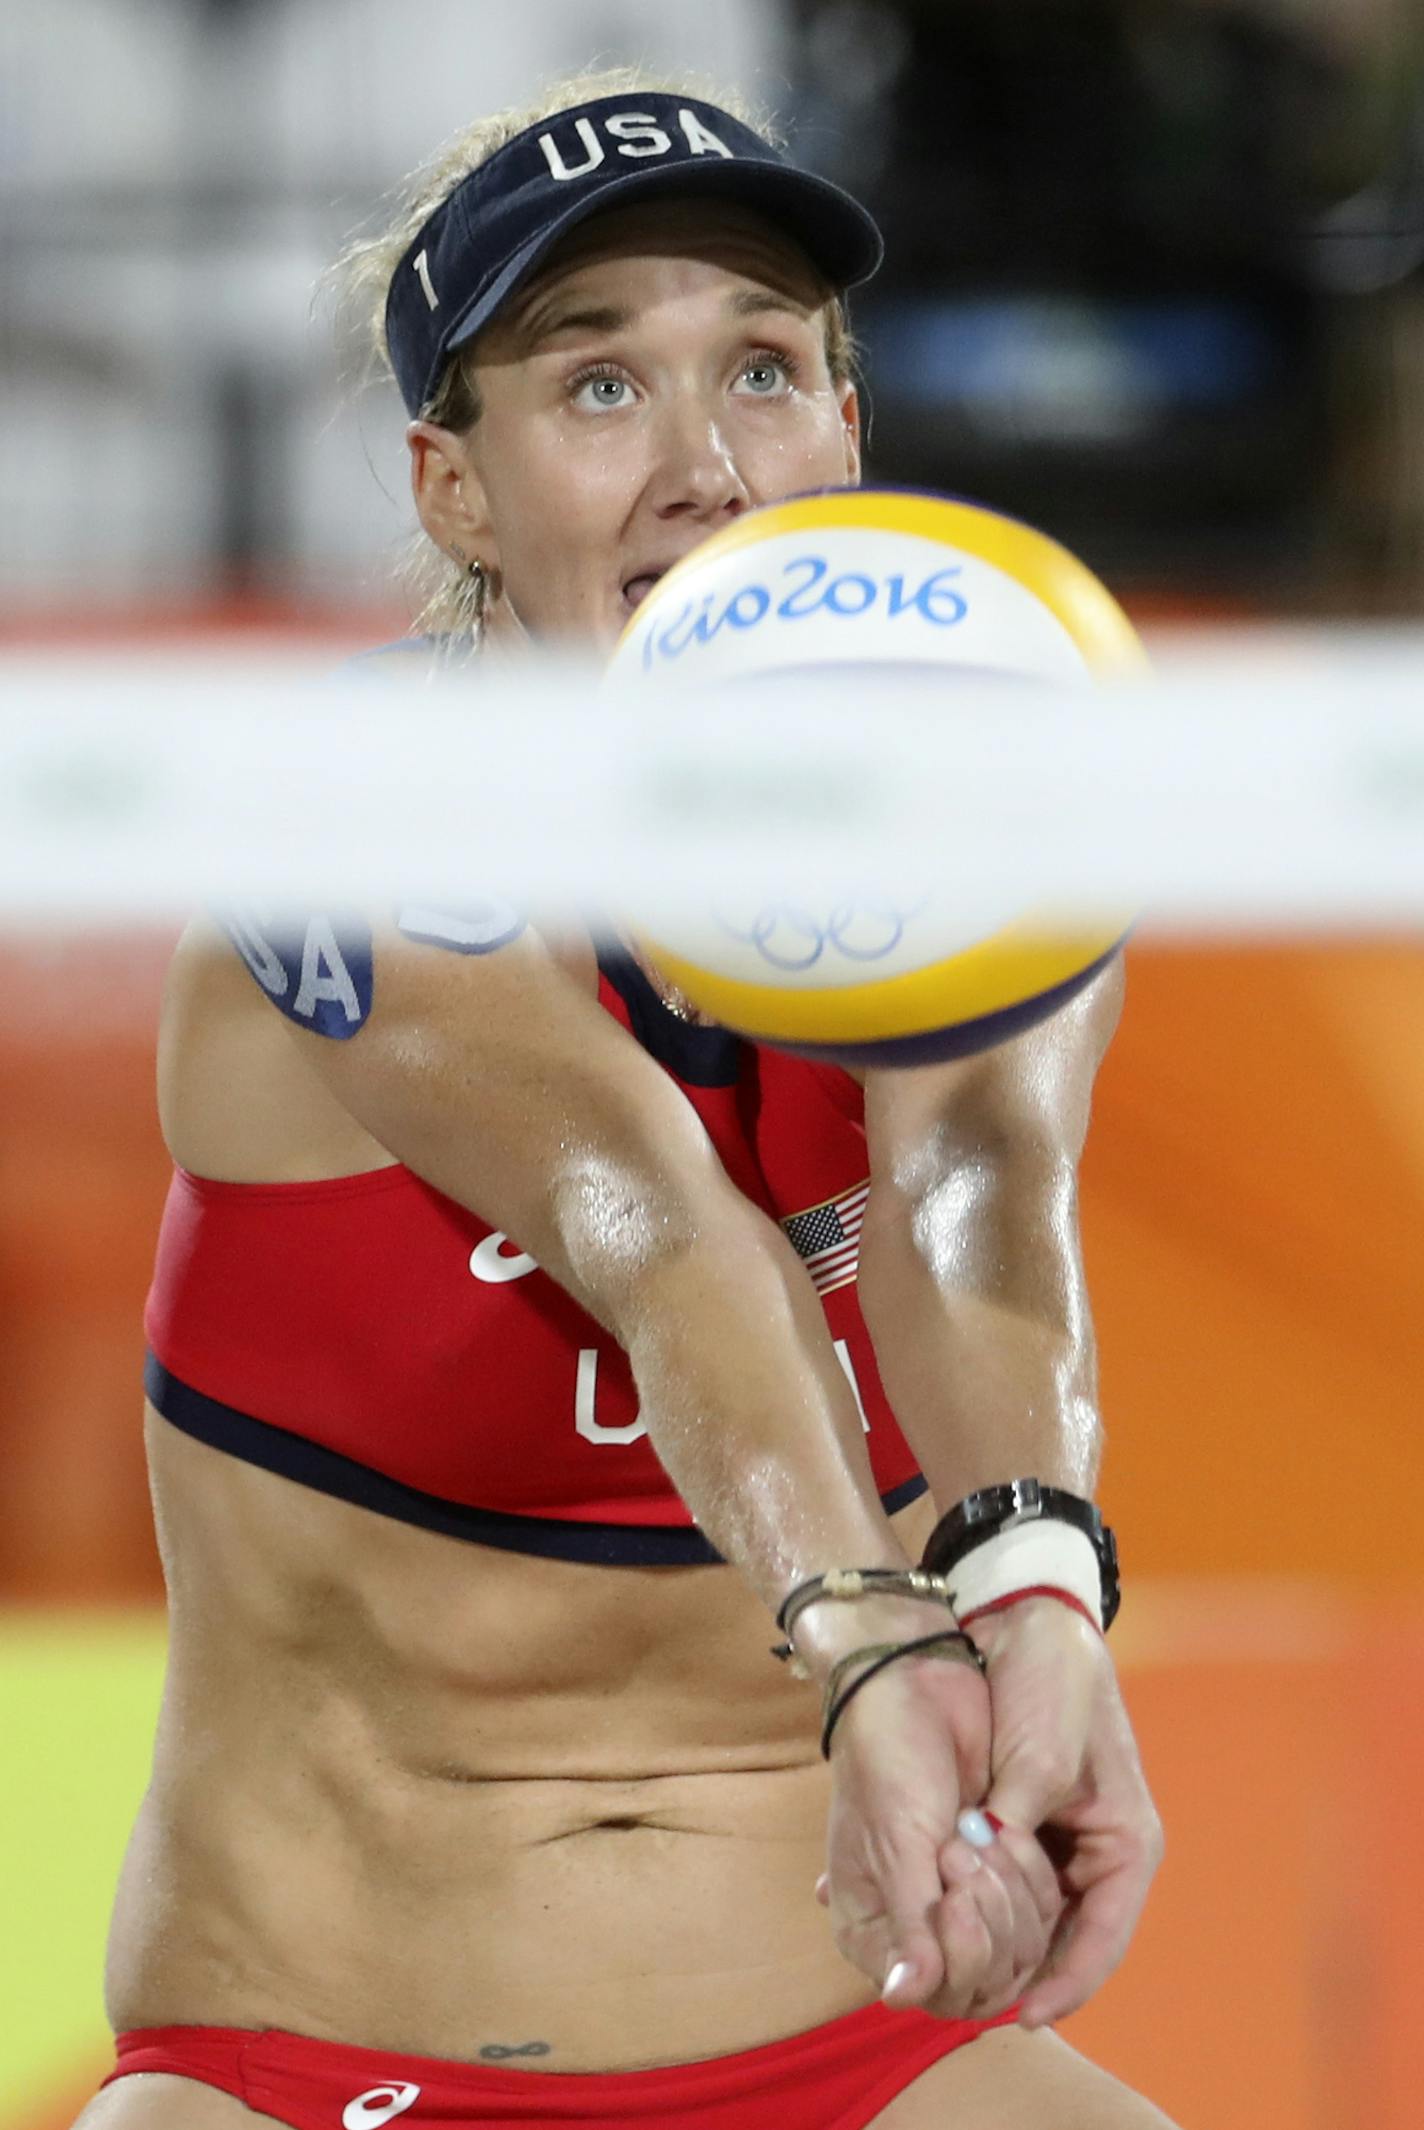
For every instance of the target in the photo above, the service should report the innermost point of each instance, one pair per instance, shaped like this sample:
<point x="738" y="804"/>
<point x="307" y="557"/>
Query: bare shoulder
<point x="236" y="1099"/>
<point x="240" y="1100"/>
<point x="152" y="2100"/>
<point x="1012" y="2080"/>
<point x="574" y="951"/>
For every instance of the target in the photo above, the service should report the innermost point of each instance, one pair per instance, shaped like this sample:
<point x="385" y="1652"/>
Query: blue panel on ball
<point x="936" y="1045"/>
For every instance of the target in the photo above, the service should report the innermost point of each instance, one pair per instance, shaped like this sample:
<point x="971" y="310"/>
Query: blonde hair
<point x="449" y="601"/>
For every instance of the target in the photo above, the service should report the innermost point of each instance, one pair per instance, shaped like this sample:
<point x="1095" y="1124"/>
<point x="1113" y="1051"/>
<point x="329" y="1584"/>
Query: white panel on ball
<point x="846" y="596"/>
<point x="907" y="592"/>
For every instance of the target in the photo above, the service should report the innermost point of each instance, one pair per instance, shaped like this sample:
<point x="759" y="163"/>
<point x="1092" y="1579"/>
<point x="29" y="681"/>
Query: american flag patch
<point x="827" y="1238"/>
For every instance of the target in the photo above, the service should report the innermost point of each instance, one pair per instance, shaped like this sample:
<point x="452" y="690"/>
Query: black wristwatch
<point x="993" y="1509"/>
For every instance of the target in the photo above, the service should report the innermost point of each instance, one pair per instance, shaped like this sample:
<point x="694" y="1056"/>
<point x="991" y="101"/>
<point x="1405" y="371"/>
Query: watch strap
<point x="991" y="1512"/>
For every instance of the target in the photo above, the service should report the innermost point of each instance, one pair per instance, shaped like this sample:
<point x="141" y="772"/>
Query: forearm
<point x="973" y="1292"/>
<point x="514" y="1095"/>
<point x="748" y="1408"/>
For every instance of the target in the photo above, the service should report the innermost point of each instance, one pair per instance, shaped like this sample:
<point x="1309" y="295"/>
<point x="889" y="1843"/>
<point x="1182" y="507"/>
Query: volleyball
<point x="909" y="591"/>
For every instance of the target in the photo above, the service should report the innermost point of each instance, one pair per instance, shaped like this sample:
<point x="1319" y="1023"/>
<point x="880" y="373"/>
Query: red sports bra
<point x="371" y="1338"/>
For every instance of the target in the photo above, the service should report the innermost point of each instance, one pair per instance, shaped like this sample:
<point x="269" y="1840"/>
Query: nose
<point x="696" y="475"/>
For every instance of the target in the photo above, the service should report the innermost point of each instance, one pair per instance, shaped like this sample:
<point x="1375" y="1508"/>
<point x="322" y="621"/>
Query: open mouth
<point x="636" y="590"/>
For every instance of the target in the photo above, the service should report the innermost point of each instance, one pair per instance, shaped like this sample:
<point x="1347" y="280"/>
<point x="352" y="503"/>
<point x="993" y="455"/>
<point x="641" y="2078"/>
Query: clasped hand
<point x="1043" y="1915"/>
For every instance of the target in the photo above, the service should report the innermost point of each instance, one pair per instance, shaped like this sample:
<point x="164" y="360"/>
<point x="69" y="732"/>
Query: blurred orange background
<point x="1254" y="1221"/>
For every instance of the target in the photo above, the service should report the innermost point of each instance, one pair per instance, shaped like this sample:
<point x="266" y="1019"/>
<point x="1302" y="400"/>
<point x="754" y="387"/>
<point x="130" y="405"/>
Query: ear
<point x="449" y="495"/>
<point x="851" y="430"/>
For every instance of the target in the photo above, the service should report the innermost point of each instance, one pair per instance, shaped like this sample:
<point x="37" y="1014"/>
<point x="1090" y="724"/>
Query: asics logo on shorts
<point x="379" y="2105"/>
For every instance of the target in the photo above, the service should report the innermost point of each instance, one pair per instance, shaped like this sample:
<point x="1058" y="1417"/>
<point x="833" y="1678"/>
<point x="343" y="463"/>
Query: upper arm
<point x="499" y="1080"/>
<point x="1025" y="1102"/>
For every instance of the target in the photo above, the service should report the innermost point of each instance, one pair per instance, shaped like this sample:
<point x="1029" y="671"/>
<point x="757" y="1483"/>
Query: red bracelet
<point x="1017" y="1597"/>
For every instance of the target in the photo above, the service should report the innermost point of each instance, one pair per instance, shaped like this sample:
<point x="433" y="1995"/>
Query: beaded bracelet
<point x="847" y="1583"/>
<point x="952" y="1646"/>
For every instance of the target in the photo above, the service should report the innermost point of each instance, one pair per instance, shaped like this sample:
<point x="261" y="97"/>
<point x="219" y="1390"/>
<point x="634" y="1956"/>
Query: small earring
<point x="479" y="591"/>
<point x="479" y="600"/>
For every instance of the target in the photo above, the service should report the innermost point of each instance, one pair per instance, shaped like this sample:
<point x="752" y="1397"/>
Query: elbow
<point x="962" y="1207"/>
<point x="616" y="1225"/>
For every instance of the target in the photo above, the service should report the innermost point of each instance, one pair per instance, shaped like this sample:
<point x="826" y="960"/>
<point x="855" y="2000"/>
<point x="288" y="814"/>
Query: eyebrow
<point x="543" y="324"/>
<point x="592" y="319"/>
<point x="751" y="303"/>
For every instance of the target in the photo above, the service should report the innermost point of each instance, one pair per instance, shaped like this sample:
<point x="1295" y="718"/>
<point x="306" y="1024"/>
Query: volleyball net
<point x="1262" y="781"/>
<point x="1252" y="1209"/>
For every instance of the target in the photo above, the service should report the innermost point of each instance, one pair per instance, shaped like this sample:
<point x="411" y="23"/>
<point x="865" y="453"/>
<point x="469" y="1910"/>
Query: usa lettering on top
<point x="634" y="134"/>
<point x="580" y="148"/>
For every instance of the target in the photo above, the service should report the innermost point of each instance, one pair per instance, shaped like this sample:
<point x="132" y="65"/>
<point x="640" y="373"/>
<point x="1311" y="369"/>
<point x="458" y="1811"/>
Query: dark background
<point x="1154" y="276"/>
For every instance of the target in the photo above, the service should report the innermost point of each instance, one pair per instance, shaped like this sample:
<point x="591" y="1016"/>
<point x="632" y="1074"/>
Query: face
<point x="665" y="373"/>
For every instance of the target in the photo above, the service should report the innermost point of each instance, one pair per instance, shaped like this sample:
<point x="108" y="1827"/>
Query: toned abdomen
<point x="417" y="1794"/>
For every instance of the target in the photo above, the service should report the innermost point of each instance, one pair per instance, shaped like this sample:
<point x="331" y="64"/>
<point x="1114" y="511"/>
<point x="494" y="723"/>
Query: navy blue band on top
<point x="699" y="1056"/>
<point x="502" y="220"/>
<point x="277" y="1449"/>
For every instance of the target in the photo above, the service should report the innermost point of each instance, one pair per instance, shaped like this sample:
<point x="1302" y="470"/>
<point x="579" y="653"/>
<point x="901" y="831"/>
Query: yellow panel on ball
<point x="880" y="581"/>
<point x="963" y="1003"/>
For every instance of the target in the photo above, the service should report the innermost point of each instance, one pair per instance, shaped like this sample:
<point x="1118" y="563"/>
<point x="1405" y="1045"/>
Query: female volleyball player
<point x="488" y="1268"/>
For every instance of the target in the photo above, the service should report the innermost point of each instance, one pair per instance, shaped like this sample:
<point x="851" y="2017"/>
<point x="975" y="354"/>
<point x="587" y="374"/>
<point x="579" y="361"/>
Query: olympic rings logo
<point x="789" y="938"/>
<point x="807" y="589"/>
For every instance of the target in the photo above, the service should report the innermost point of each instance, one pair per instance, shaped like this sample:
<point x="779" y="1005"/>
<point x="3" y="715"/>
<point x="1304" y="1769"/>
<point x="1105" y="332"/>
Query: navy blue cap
<point x="504" y="218"/>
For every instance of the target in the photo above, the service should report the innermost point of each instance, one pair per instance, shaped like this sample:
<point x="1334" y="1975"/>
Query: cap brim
<point x="837" y="234"/>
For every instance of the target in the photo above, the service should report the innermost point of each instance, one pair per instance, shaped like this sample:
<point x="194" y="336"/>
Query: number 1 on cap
<point x="421" y="264"/>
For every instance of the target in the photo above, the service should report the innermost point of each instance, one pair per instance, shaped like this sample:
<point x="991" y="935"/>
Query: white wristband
<point x="1041" y="1554"/>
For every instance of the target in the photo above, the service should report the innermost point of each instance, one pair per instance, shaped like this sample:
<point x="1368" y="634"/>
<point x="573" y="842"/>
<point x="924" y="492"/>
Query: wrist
<point x="1004" y="1541"/>
<point x="1036" y="1618"/>
<point x="827" y="1633"/>
<point x="976" y="1615"/>
<point x="863" y="1666"/>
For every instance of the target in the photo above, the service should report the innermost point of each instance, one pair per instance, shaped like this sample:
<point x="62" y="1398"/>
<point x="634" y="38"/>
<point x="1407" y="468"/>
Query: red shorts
<point x="836" y="2077"/>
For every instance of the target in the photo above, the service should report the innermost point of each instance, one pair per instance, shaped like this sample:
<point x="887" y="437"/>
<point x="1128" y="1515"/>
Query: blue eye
<point x="765" y="375"/>
<point x="600" y="390"/>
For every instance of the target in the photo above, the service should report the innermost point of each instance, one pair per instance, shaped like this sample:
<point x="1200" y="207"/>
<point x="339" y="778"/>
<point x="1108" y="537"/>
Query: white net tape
<point x="1261" y="782"/>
